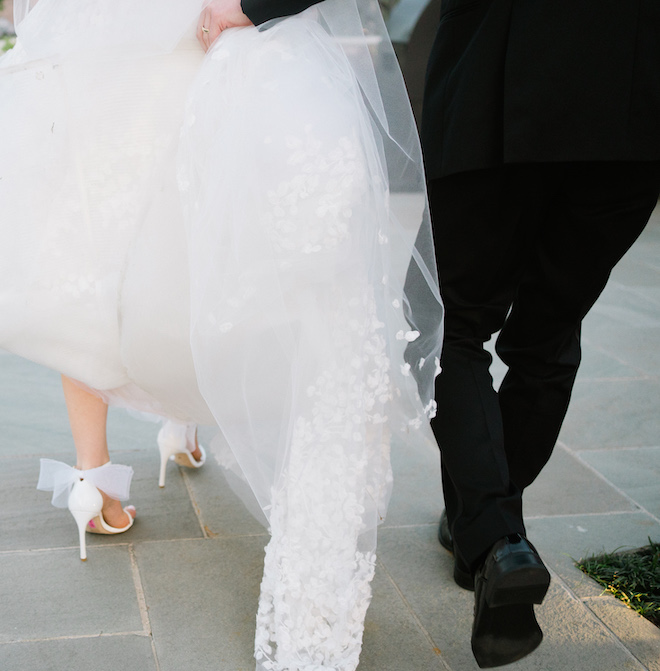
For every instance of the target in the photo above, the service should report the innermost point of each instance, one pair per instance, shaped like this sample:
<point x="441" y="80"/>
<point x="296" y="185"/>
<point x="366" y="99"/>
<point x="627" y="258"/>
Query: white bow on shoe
<point x="80" y="492"/>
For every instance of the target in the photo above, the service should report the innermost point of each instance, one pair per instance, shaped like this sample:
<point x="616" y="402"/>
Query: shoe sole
<point x="505" y="627"/>
<point x="505" y="634"/>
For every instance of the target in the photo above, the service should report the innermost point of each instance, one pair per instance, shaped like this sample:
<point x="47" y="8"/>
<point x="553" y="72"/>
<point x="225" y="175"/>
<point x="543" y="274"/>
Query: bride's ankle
<point x="87" y="464"/>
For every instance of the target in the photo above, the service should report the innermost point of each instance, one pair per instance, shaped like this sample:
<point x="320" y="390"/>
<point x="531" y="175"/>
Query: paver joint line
<point x="193" y="501"/>
<point x="75" y="637"/>
<point x="414" y="615"/>
<point x="636" y="504"/>
<point x="594" y="617"/>
<point x="612" y="513"/>
<point x="139" y="591"/>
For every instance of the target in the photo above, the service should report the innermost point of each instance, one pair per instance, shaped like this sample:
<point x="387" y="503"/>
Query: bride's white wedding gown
<point x="212" y="239"/>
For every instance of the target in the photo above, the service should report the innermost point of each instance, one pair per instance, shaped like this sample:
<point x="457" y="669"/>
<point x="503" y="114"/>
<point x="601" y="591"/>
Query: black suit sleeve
<point x="259" y="11"/>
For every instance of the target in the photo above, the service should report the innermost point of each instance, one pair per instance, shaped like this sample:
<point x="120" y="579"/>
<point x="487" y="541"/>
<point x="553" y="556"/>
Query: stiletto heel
<point x="80" y="492"/>
<point x="164" y="457"/>
<point x="85" y="503"/>
<point x="176" y="442"/>
<point x="82" y="519"/>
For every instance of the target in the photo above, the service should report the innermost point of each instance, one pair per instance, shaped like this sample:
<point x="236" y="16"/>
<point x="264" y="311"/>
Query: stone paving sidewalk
<point x="179" y="591"/>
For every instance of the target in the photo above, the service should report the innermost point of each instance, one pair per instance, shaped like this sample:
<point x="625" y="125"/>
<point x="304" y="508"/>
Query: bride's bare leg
<point x="88" y="419"/>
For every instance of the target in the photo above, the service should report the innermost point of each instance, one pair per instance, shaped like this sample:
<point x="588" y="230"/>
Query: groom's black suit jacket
<point x="259" y="11"/>
<point x="513" y="81"/>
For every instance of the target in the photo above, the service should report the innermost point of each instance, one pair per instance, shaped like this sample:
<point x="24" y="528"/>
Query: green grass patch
<point x="6" y="43"/>
<point x="632" y="576"/>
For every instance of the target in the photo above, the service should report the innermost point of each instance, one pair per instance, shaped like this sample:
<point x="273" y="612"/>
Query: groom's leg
<point x="595" y="213"/>
<point x="480" y="221"/>
<point x="484" y="223"/>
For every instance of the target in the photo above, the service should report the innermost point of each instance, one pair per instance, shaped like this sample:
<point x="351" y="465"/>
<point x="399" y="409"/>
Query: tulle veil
<point x="305" y="321"/>
<point x="405" y="262"/>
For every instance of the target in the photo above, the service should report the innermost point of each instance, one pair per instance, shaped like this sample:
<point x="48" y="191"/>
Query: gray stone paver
<point x="613" y="413"/>
<point x="179" y="591"/>
<point x="589" y="493"/>
<point x="201" y="597"/>
<point x="392" y="635"/>
<point x="562" y="539"/>
<point x="641" y="637"/>
<point x="53" y="594"/>
<point x="635" y="471"/>
<point x="99" y="653"/>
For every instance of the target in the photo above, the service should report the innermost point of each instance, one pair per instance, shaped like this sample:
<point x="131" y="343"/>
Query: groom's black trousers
<point x="524" y="250"/>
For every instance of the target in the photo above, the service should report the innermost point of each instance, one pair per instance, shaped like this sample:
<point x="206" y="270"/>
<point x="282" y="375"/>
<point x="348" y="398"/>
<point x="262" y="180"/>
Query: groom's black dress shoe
<point x="508" y="583"/>
<point x="462" y="575"/>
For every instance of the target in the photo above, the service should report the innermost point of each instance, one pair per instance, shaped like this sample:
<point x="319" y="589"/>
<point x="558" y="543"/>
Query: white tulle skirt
<point x="211" y="239"/>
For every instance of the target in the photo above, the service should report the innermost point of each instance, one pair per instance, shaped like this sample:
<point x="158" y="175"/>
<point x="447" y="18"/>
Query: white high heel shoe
<point x="176" y="442"/>
<point x="80" y="492"/>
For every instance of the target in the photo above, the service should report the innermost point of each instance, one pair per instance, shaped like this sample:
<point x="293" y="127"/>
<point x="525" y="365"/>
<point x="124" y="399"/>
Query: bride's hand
<point x="216" y="17"/>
